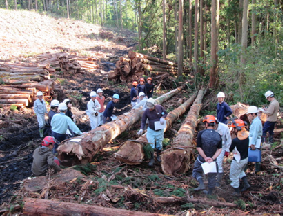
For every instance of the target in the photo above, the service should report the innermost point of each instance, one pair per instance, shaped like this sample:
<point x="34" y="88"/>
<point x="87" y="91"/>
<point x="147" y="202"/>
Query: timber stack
<point x="137" y="65"/>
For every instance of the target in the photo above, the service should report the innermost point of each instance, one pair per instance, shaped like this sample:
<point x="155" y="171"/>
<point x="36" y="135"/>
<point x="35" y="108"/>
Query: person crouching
<point x="43" y="158"/>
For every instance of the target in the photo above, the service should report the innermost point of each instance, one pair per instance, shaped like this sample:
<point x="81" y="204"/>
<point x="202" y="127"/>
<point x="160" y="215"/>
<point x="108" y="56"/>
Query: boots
<point x="151" y="162"/>
<point x="246" y="184"/>
<point x="236" y="192"/>
<point x="219" y="178"/>
<point x="158" y="158"/>
<point x="41" y="132"/>
<point x="270" y="139"/>
<point x="201" y="185"/>
<point x="257" y="167"/>
<point x="209" y="192"/>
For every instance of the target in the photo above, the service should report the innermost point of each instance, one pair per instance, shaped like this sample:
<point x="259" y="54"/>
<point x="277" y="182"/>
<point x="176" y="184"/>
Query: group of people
<point x="215" y="142"/>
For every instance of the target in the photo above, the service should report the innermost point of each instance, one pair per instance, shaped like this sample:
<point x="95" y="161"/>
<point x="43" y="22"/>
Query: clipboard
<point x="209" y="167"/>
<point x="159" y="126"/>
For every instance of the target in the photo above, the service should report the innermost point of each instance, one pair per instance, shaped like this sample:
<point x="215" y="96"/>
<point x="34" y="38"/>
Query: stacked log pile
<point x="136" y="65"/>
<point x="176" y="159"/>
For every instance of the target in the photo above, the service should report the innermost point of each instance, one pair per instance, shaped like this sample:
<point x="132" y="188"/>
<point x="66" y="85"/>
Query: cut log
<point x="176" y="159"/>
<point x="55" y="207"/>
<point x="131" y="152"/>
<point x="14" y="96"/>
<point x="96" y="139"/>
<point x="14" y="101"/>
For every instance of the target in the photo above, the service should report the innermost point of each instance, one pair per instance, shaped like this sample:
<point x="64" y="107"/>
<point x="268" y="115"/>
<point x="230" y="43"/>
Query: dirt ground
<point x="106" y="181"/>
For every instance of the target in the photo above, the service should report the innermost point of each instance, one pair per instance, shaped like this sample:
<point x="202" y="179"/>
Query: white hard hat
<point x="93" y="94"/>
<point x="62" y="107"/>
<point x="99" y="90"/>
<point x="39" y="93"/>
<point x="141" y="94"/>
<point x="220" y="94"/>
<point x="268" y="94"/>
<point x="150" y="103"/>
<point x="65" y="101"/>
<point x="252" y="109"/>
<point x="54" y="103"/>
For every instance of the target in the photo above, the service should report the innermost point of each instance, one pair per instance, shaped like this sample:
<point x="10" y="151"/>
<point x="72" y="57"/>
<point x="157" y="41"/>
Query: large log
<point x="14" y="101"/>
<point x="131" y="152"/>
<point x="93" y="142"/>
<point x="55" y="207"/>
<point x="176" y="159"/>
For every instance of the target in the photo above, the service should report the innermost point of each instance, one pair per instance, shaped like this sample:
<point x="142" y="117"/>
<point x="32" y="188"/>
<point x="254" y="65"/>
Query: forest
<point x="192" y="49"/>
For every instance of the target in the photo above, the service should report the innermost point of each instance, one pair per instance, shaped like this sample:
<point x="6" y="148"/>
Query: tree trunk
<point x="176" y="30"/>
<point x="253" y="32"/>
<point x="202" y="36"/>
<point x="190" y="31"/>
<point x="94" y="141"/>
<point x="68" y="10"/>
<point x="177" y="159"/>
<point x="140" y="24"/>
<point x="240" y="23"/>
<point x="180" y="39"/>
<point x="213" y="51"/>
<point x="121" y="14"/>
<point x="16" y="4"/>
<point x="228" y="26"/>
<point x="131" y="152"/>
<point x="53" y="207"/>
<point x="244" y="39"/>
<point x="196" y="35"/>
<point x="7" y="4"/>
<point x="164" y="30"/>
<point x="35" y="5"/>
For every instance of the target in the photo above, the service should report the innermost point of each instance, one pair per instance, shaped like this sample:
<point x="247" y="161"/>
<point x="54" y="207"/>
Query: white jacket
<point x="93" y="107"/>
<point x="141" y="103"/>
<point x="224" y="132"/>
<point x="39" y="108"/>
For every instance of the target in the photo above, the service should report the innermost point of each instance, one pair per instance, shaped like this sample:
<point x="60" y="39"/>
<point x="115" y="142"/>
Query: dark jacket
<point x="42" y="160"/>
<point x="109" y="109"/>
<point x="149" y="88"/>
<point x="153" y="116"/>
<point x="141" y="88"/>
<point x="223" y="110"/>
<point x="69" y="113"/>
<point x="133" y="94"/>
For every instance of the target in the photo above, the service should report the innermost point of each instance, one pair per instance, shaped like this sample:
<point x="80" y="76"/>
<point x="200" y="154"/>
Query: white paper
<point x="258" y="142"/>
<point x="68" y="131"/>
<point x="237" y="155"/>
<point x="209" y="167"/>
<point x="75" y="140"/>
<point x="159" y="126"/>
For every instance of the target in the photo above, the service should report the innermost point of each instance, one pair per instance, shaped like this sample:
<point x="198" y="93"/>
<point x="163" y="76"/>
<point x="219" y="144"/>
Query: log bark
<point x="55" y="207"/>
<point x="94" y="141"/>
<point x="131" y="152"/>
<point x="14" y="101"/>
<point x="176" y="159"/>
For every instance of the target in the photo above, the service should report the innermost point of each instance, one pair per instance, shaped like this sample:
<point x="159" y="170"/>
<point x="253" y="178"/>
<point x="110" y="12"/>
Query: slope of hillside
<point x="26" y="33"/>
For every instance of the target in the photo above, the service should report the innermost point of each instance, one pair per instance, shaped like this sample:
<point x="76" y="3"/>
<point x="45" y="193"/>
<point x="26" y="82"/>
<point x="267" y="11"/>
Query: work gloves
<point x="140" y="132"/>
<point x="162" y="121"/>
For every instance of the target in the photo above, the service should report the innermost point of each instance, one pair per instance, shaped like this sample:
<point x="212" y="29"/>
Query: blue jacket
<point x="60" y="123"/>
<point x="109" y="109"/>
<point x="255" y="131"/>
<point x="133" y="94"/>
<point x="223" y="110"/>
<point x="141" y="88"/>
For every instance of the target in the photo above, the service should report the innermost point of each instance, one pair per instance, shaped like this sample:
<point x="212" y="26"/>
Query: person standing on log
<point x="223" y="109"/>
<point x="141" y="87"/>
<point x="40" y="110"/>
<point x="53" y="110"/>
<point x="93" y="107"/>
<point x="43" y="158"/>
<point x="255" y="132"/>
<point x="60" y="123"/>
<point x="271" y="112"/>
<point x="107" y="114"/>
<point x="224" y="132"/>
<point x="153" y="113"/>
<point x="101" y="99"/>
<point x="149" y="87"/>
<point x="239" y="146"/>
<point x="134" y="93"/>
<point x="209" y="146"/>
<point x="142" y="102"/>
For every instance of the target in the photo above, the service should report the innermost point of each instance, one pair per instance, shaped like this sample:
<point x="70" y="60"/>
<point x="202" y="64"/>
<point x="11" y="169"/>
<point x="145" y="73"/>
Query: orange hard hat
<point x="141" y="79"/>
<point x="237" y="123"/>
<point x="209" y="118"/>
<point x="149" y="78"/>
<point x="135" y="83"/>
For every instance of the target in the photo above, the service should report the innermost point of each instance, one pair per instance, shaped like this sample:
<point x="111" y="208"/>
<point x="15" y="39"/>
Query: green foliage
<point x="1" y="81"/>
<point x="241" y="204"/>
<point x="154" y="177"/>
<point x="180" y="192"/>
<point x="1" y="138"/>
<point x="147" y="149"/>
<point x="188" y="206"/>
<point x="161" y="193"/>
<point x="13" y="107"/>
<point x="85" y="169"/>
<point x="166" y="142"/>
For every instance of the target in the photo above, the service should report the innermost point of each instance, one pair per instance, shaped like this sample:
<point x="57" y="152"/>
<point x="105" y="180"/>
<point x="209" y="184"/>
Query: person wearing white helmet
<point x="107" y="114"/>
<point x="271" y="113"/>
<point x="53" y="110"/>
<point x="142" y="102"/>
<point x="39" y="108"/>
<point x="69" y="105"/>
<point x="153" y="113"/>
<point x="92" y="111"/>
<point x="223" y="109"/>
<point x="60" y="123"/>
<point x="101" y="99"/>
<point x="255" y="131"/>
